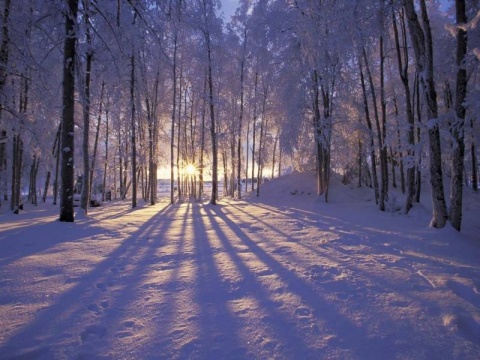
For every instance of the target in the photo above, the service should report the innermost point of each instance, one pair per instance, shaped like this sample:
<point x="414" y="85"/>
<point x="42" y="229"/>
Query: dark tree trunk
<point x="213" y="133"/>
<point x="105" y="164"/>
<point x="97" y="135"/>
<point x="402" y="60"/>
<point x="423" y="47"/>
<point x="68" y="123"/>
<point x="134" y="135"/>
<point x="457" y="130"/>
<point x="370" y="134"/>
<point x="172" y="130"/>
<point x="254" y="130"/>
<point x="85" y="199"/>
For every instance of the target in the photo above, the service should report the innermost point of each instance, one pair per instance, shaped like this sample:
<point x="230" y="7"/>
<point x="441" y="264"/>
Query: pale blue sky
<point x="229" y="7"/>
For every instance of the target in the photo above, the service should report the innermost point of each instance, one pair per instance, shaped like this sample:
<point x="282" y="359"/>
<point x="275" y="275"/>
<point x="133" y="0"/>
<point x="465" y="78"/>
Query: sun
<point x="190" y="170"/>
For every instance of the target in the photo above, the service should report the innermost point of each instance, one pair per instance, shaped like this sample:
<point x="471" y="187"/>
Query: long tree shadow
<point x="346" y="333"/>
<point x="218" y="330"/>
<point x="377" y="259"/>
<point x="98" y="298"/>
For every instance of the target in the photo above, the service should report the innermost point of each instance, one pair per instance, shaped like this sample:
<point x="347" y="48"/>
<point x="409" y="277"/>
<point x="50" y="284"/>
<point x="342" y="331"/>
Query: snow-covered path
<point x="242" y="280"/>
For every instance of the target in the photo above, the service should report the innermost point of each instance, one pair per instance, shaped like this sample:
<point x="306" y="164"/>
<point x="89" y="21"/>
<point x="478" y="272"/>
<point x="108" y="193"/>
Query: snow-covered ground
<point x="283" y="276"/>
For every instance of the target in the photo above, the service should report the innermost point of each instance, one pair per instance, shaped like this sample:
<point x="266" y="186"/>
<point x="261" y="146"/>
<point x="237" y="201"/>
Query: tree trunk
<point x="134" y="135"/>
<point x="240" y="119"/>
<point x="254" y="130"/>
<point x="17" y="164"/>
<point x="202" y="141"/>
<point x="4" y="49"/>
<point x="85" y="199"/>
<point x="261" y="141"/>
<point x="57" y="166"/>
<point x="213" y="133"/>
<point x="172" y="130"/>
<point x="423" y="47"/>
<point x="457" y="130"/>
<point x="360" y="163"/>
<point x="275" y="142"/>
<point x="105" y="164"/>
<point x="97" y="135"/>
<point x="403" y="71"/>
<point x="383" y="191"/>
<point x="317" y="133"/>
<point x="47" y="184"/>
<point x="418" y="162"/>
<point x="68" y="123"/>
<point x="32" y="188"/>
<point x="370" y="133"/>
<point x="474" y="165"/>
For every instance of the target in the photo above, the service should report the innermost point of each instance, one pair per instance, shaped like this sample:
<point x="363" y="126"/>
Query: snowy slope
<point x="282" y="276"/>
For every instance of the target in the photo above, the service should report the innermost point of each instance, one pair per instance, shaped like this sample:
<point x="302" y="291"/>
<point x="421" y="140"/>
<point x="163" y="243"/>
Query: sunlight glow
<point x="190" y="170"/>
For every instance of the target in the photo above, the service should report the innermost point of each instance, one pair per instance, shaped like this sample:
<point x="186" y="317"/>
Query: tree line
<point x="98" y="96"/>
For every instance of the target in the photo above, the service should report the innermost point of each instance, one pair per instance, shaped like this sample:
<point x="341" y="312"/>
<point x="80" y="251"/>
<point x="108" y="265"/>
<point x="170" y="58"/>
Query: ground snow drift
<point x="279" y="276"/>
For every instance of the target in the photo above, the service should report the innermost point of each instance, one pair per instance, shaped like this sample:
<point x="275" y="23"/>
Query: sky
<point x="229" y="7"/>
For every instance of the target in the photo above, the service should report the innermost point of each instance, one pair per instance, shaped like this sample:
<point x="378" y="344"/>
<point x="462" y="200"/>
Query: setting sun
<point x="190" y="170"/>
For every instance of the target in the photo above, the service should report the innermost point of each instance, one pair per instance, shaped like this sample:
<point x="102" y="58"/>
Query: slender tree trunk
<point x="254" y="135"/>
<point x="474" y="164"/>
<point x="172" y="130"/>
<point x="261" y="141"/>
<point x="86" y="185"/>
<point x="202" y="141"/>
<point x="32" y="188"/>
<point x="275" y="142"/>
<point x="85" y="199"/>
<point x="402" y="61"/>
<point x="383" y="101"/>
<point x="57" y="166"/>
<point x="360" y="163"/>
<point x="4" y="49"/>
<point x="458" y="128"/>
<point x="240" y="120"/>
<point x="317" y="133"/>
<point x="370" y="133"/>
<point x="213" y="133"/>
<point x="179" y="134"/>
<point x="418" y="165"/>
<point x="152" y="134"/>
<point x="49" y="173"/>
<point x="105" y="164"/>
<point x="13" y="196"/>
<point x="97" y="135"/>
<point x="47" y="184"/>
<point x="383" y="190"/>
<point x="134" y="134"/>
<point x="18" y="176"/>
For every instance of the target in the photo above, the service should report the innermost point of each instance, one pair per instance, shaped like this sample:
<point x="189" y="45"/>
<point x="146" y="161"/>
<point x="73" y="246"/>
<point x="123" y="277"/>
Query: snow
<point x="282" y="276"/>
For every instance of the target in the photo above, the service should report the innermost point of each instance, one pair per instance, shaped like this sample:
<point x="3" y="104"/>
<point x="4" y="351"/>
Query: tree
<point x="86" y="185"/>
<point x="423" y="47"/>
<point x="402" y="61"/>
<point x="68" y="124"/>
<point x="458" y="127"/>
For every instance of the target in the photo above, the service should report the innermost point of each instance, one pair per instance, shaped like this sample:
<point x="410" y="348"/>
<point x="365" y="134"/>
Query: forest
<point x="104" y="98"/>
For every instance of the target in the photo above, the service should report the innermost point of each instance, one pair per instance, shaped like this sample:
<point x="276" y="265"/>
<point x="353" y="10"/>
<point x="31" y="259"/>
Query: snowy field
<point x="279" y="277"/>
